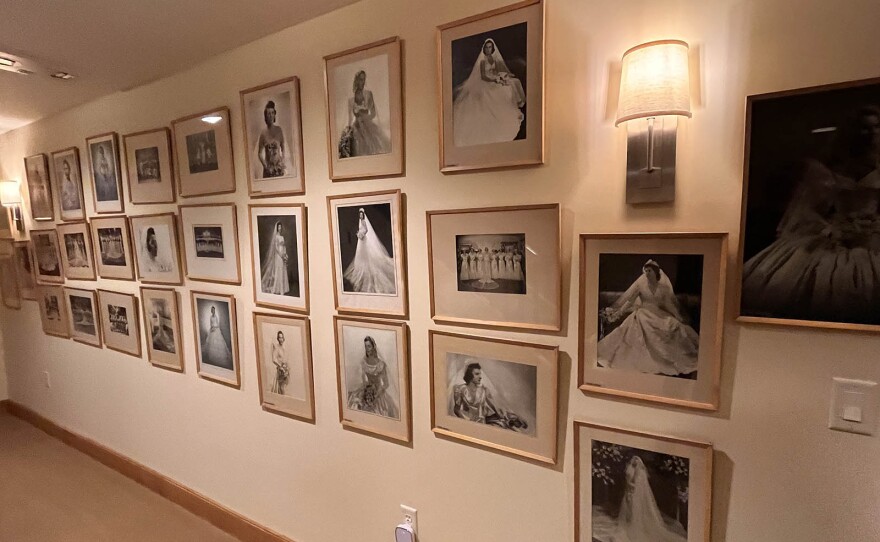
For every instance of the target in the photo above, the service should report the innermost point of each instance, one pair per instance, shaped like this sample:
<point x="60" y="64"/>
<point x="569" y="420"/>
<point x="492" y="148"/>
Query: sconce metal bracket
<point x="650" y="160"/>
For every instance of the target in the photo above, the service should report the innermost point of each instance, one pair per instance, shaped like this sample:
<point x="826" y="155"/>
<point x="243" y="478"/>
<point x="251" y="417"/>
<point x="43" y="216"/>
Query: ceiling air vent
<point x="64" y="76"/>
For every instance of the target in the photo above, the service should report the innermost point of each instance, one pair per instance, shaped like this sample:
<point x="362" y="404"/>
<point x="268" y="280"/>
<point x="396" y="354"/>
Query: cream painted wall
<point x="4" y="391"/>
<point x="781" y="475"/>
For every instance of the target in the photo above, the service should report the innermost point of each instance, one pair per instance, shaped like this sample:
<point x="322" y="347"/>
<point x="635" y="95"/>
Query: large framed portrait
<point x="85" y="327"/>
<point x="491" y="77"/>
<point x="203" y="152"/>
<point x="156" y="250"/>
<point x="53" y="311"/>
<point x="284" y="365"/>
<point x="36" y="170"/>
<point x="77" y="259"/>
<point x="111" y="237"/>
<point x="652" y="315"/>
<point x="216" y="338"/>
<point x="25" y="269"/>
<point x="497" y="393"/>
<point x="106" y="173"/>
<point x="810" y="237"/>
<point x="272" y="122"/>
<point x="9" y="289"/>
<point x="365" y="111"/>
<point x="210" y="242"/>
<point x="148" y="166"/>
<point x="47" y="256"/>
<point x="68" y="184"/>
<point x="496" y="267"/>
<point x="367" y="246"/>
<point x="162" y="324"/>
<point x="280" y="256"/>
<point x="640" y="487"/>
<point x="119" y="322"/>
<point x="372" y="377"/>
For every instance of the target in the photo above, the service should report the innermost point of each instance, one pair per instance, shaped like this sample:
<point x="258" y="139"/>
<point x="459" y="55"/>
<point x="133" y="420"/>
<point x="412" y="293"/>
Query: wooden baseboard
<point x="215" y="513"/>
<point x="4" y="405"/>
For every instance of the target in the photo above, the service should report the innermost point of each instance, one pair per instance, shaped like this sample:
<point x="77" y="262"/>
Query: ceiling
<point x="112" y="45"/>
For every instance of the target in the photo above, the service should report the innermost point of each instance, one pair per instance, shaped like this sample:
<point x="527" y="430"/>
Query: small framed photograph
<point x="68" y="184"/>
<point x="106" y="173"/>
<point x="372" y="377"/>
<point x="367" y="246"/>
<point x="9" y="283"/>
<point x="284" y="365"/>
<point x="272" y="123"/>
<point x="491" y="76"/>
<point x="652" y="315"/>
<point x="85" y="327"/>
<point x="47" y="256"/>
<point x="156" y="250"/>
<point x="112" y="241"/>
<point x="638" y="486"/>
<point x="497" y="393"/>
<point x="210" y="242"/>
<point x="25" y="269"/>
<point x="203" y="152"/>
<point x="39" y="189"/>
<point x="149" y="167"/>
<point x="162" y="324"/>
<point x="119" y="322"/>
<point x="216" y="334"/>
<point x="496" y="267"/>
<point x="76" y="251"/>
<point x="280" y="256"/>
<point x="53" y="311"/>
<point x="365" y="111"/>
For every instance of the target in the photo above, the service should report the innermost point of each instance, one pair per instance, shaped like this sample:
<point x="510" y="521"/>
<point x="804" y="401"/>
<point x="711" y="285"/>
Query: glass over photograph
<point x="82" y="314"/>
<point x="366" y="249"/>
<point x="104" y="168"/>
<point x="277" y="238"/>
<point x="39" y="190"/>
<point x="46" y="254"/>
<point x="69" y="184"/>
<point x="215" y="335"/>
<point x="492" y="263"/>
<point x="371" y="370"/>
<point x="201" y="152"/>
<point x="363" y="107"/>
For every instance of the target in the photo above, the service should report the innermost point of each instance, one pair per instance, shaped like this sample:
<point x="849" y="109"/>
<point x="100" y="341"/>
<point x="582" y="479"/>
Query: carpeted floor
<point x="50" y="492"/>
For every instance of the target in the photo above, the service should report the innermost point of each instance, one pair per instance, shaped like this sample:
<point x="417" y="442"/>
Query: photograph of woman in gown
<point x="104" y="171"/>
<point x="161" y="332"/>
<point x="366" y="252"/>
<point x="275" y="276"/>
<point x="38" y="187"/>
<point x="646" y="328"/>
<point x="215" y="341"/>
<point x="376" y="392"/>
<point x="362" y="135"/>
<point x="75" y="244"/>
<point x="46" y="254"/>
<point x="153" y="255"/>
<point x="271" y="146"/>
<point x="279" y="361"/>
<point x="70" y="192"/>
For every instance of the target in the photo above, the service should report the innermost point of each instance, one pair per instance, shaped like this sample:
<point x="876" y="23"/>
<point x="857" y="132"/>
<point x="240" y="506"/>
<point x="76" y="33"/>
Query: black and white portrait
<point x="366" y="249"/>
<point x="24" y="267"/>
<point x="38" y="187"/>
<point x="111" y="246"/>
<point x="489" y="82"/>
<point x="215" y="339"/>
<point x="371" y="370"/>
<point x="154" y="245"/>
<point x="104" y="170"/>
<point x="208" y="241"/>
<point x="161" y="321"/>
<point x="75" y="247"/>
<point x="363" y="107"/>
<point x="68" y="183"/>
<point x="201" y="152"/>
<point x="147" y="165"/>
<point x="46" y="254"/>
<point x="279" y="268"/>
<point x="812" y="225"/>
<point x="492" y="263"/>
<point x="649" y="313"/>
<point x="83" y="315"/>
<point x="268" y="118"/>
<point x="282" y="370"/>
<point x="118" y="317"/>
<point x="52" y="307"/>
<point x="498" y="393"/>
<point x="638" y="495"/>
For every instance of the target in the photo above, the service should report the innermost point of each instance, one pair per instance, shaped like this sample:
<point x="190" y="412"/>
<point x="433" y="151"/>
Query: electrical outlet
<point x="48" y="381"/>
<point x="411" y="516"/>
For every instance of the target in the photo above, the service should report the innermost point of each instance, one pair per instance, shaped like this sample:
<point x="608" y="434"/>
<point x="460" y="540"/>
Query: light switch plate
<point x="854" y="399"/>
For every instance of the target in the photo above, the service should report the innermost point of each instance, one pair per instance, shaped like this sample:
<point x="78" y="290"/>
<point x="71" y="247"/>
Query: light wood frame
<point x="223" y="111"/>
<point x="11" y="300"/>
<point x="40" y="277"/>
<point x="72" y="228"/>
<point x="187" y="240"/>
<point x="233" y="335"/>
<point x="26" y="293"/>
<point x="56" y="175"/>
<point x="133" y="324"/>
<point x="114" y="142"/>
<point x="98" y="343"/>
<point x="48" y="180"/>
<point x="178" y="338"/>
<point x="175" y="237"/>
<point x="303" y="239"/>
<point x="95" y="224"/>
<point x="128" y="176"/>
<point x="64" y="323"/>
<point x="310" y="384"/>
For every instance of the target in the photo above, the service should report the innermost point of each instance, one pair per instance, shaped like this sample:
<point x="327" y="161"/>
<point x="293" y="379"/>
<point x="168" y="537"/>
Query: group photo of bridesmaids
<point x="491" y="263"/>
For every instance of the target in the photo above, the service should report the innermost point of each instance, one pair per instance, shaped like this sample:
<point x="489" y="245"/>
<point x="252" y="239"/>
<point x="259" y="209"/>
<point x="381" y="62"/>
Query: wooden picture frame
<point x="39" y="186"/>
<point x="517" y="89"/>
<point x="53" y="311"/>
<point x="210" y="351"/>
<point x="114" y="257"/>
<point x="203" y="159"/>
<point x="276" y="395"/>
<point x="523" y="426"/>
<point x="161" y="308"/>
<point x="613" y="453"/>
<point x="210" y="242"/>
<point x="288" y="177"/>
<point x="149" y="166"/>
<point x="510" y="274"/>
<point x="25" y="269"/>
<point x="9" y="289"/>
<point x="47" y="256"/>
<point x="165" y="266"/>
<point x="67" y="173"/>
<point x="84" y="321"/>
<point x="120" y="325"/>
<point x="106" y="173"/>
<point x="266" y="283"/>
<point x="75" y="244"/>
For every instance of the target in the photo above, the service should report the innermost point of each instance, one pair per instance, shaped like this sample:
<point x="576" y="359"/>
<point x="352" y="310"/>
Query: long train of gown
<point x="651" y="341"/>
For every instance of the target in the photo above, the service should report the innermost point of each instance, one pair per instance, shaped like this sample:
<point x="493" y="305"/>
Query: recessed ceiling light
<point x="6" y="61"/>
<point x="62" y="75"/>
<point x="212" y="119"/>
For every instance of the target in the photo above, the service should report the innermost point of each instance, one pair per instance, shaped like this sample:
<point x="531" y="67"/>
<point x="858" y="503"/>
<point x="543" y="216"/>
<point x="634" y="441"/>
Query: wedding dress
<point x="372" y="395"/>
<point x="274" y="279"/>
<point x="214" y="350"/>
<point x="372" y="270"/>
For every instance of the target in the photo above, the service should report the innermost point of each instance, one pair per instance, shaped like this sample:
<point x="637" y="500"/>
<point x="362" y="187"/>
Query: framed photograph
<point x="76" y="251"/>
<point x="216" y="333"/>
<point x="25" y="269"/>
<point x="9" y="283"/>
<point x="39" y="190"/>
<point x="367" y="246"/>
<point x="156" y="251"/>
<point x="210" y="242"/>
<point x="640" y="487"/>
<point x="149" y="167"/>
<point x="272" y="122"/>
<point x="112" y="242"/>
<point x="6" y="225"/>
<point x="496" y="267"/>
<point x="85" y="327"/>
<point x="365" y="111"/>
<point x="491" y="76"/>
<point x="284" y="365"/>
<point x="652" y="316"/>
<point x="203" y="152"/>
<point x="119" y="322"/>
<point x="68" y="184"/>
<point x="162" y="324"/>
<point x="280" y="256"/>
<point x="497" y="393"/>
<point x="106" y="173"/>
<point x="47" y="256"/>
<point x="810" y="227"/>
<point x="53" y="311"/>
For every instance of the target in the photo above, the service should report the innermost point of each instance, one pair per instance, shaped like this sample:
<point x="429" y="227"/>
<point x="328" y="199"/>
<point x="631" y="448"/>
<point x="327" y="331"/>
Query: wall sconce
<point x="10" y="196"/>
<point x="654" y="86"/>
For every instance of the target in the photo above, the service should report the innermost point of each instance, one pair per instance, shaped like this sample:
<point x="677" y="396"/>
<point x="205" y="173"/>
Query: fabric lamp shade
<point x="9" y="193"/>
<point x="654" y="81"/>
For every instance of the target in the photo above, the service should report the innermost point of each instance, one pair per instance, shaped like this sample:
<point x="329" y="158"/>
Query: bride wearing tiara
<point x="372" y="270"/>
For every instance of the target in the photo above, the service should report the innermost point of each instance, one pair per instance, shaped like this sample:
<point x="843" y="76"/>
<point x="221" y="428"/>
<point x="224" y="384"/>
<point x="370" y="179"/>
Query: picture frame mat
<point x="227" y="377"/>
<point x="107" y="271"/>
<point x="219" y="181"/>
<point x="301" y="409"/>
<point x="229" y="269"/>
<point x="73" y="228"/>
<point x="161" y="139"/>
<point x="43" y="278"/>
<point x="158" y="358"/>
<point x="131" y="304"/>
<point x="61" y="327"/>
<point x="77" y="336"/>
<point x="149" y="277"/>
<point x="296" y="304"/>
<point x="114" y="206"/>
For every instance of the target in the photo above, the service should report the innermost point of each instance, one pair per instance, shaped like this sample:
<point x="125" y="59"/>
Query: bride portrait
<point x="369" y="268"/>
<point x="377" y="392"/>
<point x="363" y="136"/>
<point x="215" y="348"/>
<point x="275" y="279"/>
